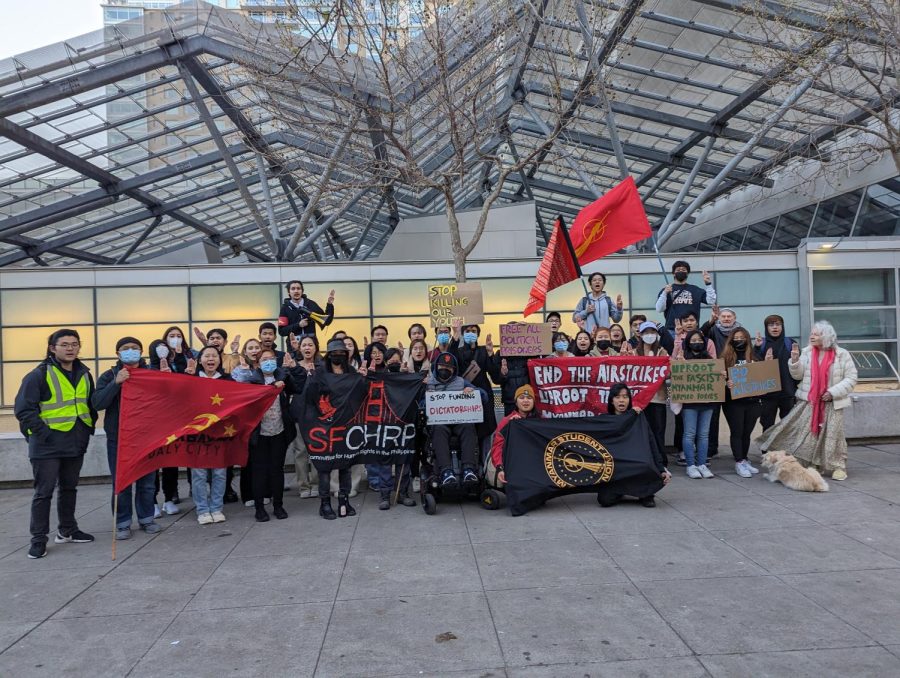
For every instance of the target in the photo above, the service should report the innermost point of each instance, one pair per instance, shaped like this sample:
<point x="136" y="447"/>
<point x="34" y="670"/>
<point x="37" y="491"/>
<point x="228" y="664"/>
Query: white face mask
<point x="650" y="337"/>
<point x="174" y="342"/>
<point x="162" y="351"/>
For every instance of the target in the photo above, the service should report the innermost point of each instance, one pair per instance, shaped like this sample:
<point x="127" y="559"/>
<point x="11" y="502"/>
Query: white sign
<point x="453" y="407"/>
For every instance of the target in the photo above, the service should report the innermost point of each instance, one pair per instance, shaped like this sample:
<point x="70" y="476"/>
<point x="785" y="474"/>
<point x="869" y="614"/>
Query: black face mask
<point x="740" y="344"/>
<point x="338" y="359"/>
<point x="697" y="349"/>
<point x="444" y="375"/>
<point x="394" y="367"/>
<point x="604" y="344"/>
<point x="681" y="276"/>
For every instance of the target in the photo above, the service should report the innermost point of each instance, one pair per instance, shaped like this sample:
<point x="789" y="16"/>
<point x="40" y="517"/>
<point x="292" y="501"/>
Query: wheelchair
<point x="431" y="491"/>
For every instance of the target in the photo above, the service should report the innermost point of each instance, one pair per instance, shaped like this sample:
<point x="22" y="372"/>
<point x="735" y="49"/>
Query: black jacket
<point x="107" y="397"/>
<point x="289" y="317"/>
<point x="781" y="351"/>
<point x="44" y="442"/>
<point x="516" y="376"/>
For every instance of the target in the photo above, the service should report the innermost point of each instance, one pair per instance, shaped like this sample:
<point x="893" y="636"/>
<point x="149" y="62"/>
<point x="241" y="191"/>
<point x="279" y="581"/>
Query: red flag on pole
<point x="558" y="267"/>
<point x="610" y="223"/>
<point x="177" y="420"/>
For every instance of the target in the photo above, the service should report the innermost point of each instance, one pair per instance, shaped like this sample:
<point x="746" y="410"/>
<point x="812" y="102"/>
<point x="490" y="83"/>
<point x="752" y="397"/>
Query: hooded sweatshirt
<point x="781" y="351"/>
<point x="604" y="309"/>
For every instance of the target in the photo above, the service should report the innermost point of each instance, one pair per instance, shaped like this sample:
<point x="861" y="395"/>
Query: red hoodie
<point x="499" y="441"/>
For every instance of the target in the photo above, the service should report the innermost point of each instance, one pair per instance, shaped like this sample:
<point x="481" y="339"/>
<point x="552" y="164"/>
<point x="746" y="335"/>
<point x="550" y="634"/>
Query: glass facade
<point x="873" y="211"/>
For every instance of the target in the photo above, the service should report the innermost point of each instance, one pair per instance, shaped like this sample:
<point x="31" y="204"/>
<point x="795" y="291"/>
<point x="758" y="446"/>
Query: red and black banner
<point x="579" y="387"/>
<point x="361" y="420"/>
<point x="609" y="455"/>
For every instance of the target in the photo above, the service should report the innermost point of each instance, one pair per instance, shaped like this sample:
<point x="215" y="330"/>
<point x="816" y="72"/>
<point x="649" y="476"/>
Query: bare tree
<point x="411" y="99"/>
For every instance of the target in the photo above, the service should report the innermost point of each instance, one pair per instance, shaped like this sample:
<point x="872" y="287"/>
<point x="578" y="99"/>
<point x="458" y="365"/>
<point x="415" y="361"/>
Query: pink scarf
<point x="818" y="386"/>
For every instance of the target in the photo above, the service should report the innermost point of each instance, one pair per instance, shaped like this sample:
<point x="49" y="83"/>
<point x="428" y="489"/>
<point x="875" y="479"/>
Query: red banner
<point x="578" y="387"/>
<point x="178" y="420"/>
<point x="557" y="268"/>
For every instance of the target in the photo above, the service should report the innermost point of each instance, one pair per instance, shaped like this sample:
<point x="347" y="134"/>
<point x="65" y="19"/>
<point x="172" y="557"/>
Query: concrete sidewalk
<point x="726" y="577"/>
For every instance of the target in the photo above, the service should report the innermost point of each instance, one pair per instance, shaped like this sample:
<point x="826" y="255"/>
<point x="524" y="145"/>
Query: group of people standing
<point x="58" y="401"/>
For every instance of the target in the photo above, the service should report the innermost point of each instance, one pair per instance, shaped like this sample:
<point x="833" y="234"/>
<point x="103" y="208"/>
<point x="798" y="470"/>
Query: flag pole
<point x="659" y="258"/>
<point x="565" y="232"/>
<point x="115" y="513"/>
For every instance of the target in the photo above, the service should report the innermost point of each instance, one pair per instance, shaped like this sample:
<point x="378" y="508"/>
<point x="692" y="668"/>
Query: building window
<point x="880" y="212"/>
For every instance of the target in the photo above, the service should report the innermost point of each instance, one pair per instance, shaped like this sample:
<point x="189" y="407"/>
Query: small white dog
<point x="785" y="468"/>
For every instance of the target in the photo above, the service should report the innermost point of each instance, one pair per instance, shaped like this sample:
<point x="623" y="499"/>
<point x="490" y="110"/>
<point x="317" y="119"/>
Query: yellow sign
<point x="455" y="300"/>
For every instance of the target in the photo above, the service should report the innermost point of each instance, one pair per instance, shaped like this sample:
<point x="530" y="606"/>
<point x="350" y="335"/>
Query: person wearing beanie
<point x="107" y="397"/>
<point x="524" y="410"/>
<point x="676" y="299"/>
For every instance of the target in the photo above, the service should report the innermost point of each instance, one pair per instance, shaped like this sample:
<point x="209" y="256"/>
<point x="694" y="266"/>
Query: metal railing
<point x="874" y="361"/>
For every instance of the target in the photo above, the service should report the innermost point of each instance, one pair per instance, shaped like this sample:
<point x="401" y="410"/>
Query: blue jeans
<point x="385" y="474"/>
<point x="207" y="501"/>
<point x="696" y="426"/>
<point x="144" y="494"/>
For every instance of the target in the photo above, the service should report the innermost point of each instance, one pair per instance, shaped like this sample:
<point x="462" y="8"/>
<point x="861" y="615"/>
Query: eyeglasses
<point x="67" y="346"/>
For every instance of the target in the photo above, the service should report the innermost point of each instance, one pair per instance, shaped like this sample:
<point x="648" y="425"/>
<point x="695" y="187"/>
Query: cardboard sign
<point x="455" y="300"/>
<point x="579" y="387"/>
<point x="453" y="407"/>
<point x="525" y="339"/>
<point x="754" y="379"/>
<point x="697" y="381"/>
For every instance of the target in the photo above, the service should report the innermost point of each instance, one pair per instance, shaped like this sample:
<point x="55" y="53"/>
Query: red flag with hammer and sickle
<point x="610" y="223"/>
<point x="168" y="419"/>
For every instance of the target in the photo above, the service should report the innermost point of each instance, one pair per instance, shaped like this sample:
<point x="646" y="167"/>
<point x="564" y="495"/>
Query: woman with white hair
<point x="814" y="430"/>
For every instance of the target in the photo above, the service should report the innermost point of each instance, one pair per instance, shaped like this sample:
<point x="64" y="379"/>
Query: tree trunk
<point x="459" y="252"/>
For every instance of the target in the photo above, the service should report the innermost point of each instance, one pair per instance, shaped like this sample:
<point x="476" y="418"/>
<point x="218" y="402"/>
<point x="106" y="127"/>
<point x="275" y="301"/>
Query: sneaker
<point x="742" y="470"/>
<point x="750" y="467"/>
<point x="305" y="494"/>
<point x="353" y="493"/>
<point x="314" y="492"/>
<point x="839" y="474"/>
<point x="156" y="512"/>
<point x="693" y="472"/>
<point x="205" y="519"/>
<point x="416" y="484"/>
<point x="170" y="508"/>
<point x="449" y="479"/>
<point x="267" y="501"/>
<point x="470" y="478"/>
<point x="249" y="503"/>
<point x="681" y="461"/>
<point x="151" y="528"/>
<point x="123" y="533"/>
<point x="705" y="472"/>
<point x="37" y="551"/>
<point x="218" y="517"/>
<point x="77" y="537"/>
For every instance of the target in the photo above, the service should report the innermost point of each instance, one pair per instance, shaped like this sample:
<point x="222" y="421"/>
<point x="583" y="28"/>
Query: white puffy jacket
<point x="842" y="376"/>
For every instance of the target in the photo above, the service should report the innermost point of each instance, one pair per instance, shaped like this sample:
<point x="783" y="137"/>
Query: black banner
<point x="546" y="458"/>
<point x="361" y="420"/>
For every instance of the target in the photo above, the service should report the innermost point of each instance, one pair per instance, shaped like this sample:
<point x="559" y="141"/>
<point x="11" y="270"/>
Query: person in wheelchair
<point x="445" y="377"/>
<point x="494" y="473"/>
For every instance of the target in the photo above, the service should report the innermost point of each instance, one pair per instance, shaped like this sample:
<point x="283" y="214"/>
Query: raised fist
<point x="122" y="375"/>
<point x="504" y="367"/>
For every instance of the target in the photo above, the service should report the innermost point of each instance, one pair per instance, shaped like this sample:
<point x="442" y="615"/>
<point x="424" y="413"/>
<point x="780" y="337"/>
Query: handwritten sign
<point x="525" y="339"/>
<point x="579" y="387"/>
<point x="697" y="381"/>
<point x="455" y="300"/>
<point x="453" y="407"/>
<point x="754" y="379"/>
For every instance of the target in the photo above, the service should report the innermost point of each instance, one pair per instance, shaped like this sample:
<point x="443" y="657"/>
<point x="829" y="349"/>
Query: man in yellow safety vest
<point x="54" y="410"/>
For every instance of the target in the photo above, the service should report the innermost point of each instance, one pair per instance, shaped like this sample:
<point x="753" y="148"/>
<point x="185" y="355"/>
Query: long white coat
<point x="842" y="376"/>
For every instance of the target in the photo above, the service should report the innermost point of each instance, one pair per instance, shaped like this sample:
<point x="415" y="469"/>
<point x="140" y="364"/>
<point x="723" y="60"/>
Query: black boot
<point x="385" y="502"/>
<point x="405" y="499"/>
<point x="279" y="512"/>
<point x="325" y="509"/>
<point x="261" y="515"/>
<point x="344" y="508"/>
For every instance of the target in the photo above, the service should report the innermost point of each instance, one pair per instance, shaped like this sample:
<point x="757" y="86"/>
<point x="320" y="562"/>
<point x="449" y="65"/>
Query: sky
<point x="29" y="24"/>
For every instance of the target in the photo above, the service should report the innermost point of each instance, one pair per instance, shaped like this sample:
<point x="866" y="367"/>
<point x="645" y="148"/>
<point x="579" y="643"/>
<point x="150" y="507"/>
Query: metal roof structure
<point x="139" y="140"/>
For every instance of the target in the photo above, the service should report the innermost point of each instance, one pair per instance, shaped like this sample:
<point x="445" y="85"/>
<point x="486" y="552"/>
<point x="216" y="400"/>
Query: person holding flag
<point x="596" y="308"/>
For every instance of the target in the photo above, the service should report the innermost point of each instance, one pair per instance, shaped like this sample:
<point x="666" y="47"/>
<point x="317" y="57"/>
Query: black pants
<point x="325" y="483"/>
<point x="48" y="473"/>
<point x="246" y="482"/>
<point x="679" y="433"/>
<point x="170" y="483"/>
<point x="714" y="430"/>
<point x="772" y="406"/>
<point x="656" y="417"/>
<point x="468" y="443"/>
<point x="267" y="465"/>
<point x="741" y="416"/>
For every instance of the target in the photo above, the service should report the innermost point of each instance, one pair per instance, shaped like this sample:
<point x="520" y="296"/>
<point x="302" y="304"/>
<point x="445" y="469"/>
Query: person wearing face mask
<point x="393" y="360"/>
<point x="688" y="323"/>
<point x="596" y="309"/>
<point x="295" y="314"/>
<point x="54" y="411"/>
<point x="561" y="344"/>
<point x="509" y="373"/>
<point x="208" y="484"/>
<point x="602" y="343"/>
<point x="676" y="299"/>
<point x="741" y="414"/>
<point x="475" y="364"/>
<point x="619" y="404"/>
<point x="718" y="328"/>
<point x="813" y="431"/>
<point x="524" y="410"/>
<point x="107" y="397"/>
<point x="583" y="344"/>
<point x="271" y="438"/>
<point x="696" y="416"/>
<point x="248" y="358"/>
<point x="656" y="410"/>
<point x="779" y="346"/>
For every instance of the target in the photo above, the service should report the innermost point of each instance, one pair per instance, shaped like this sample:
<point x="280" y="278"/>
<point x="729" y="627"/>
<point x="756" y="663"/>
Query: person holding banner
<point x="656" y="410"/>
<point x="603" y="343"/>
<point x="107" y="397"/>
<point x="299" y="314"/>
<point x="417" y="360"/>
<point x="696" y="417"/>
<point x="780" y="402"/>
<point x="561" y="343"/>
<point x="597" y="309"/>
<point x="619" y="404"/>
<point x="524" y="410"/>
<point x="475" y="363"/>
<point x="813" y="431"/>
<point x="741" y="414"/>
<point x="53" y="407"/>
<point x="308" y="362"/>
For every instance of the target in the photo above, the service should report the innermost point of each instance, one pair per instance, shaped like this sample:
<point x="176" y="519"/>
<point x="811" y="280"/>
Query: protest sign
<point x="697" y="381"/>
<point x="579" y="387"/>
<point x="754" y="379"/>
<point x="453" y="407"/>
<point x="455" y="300"/>
<point x="525" y="339"/>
